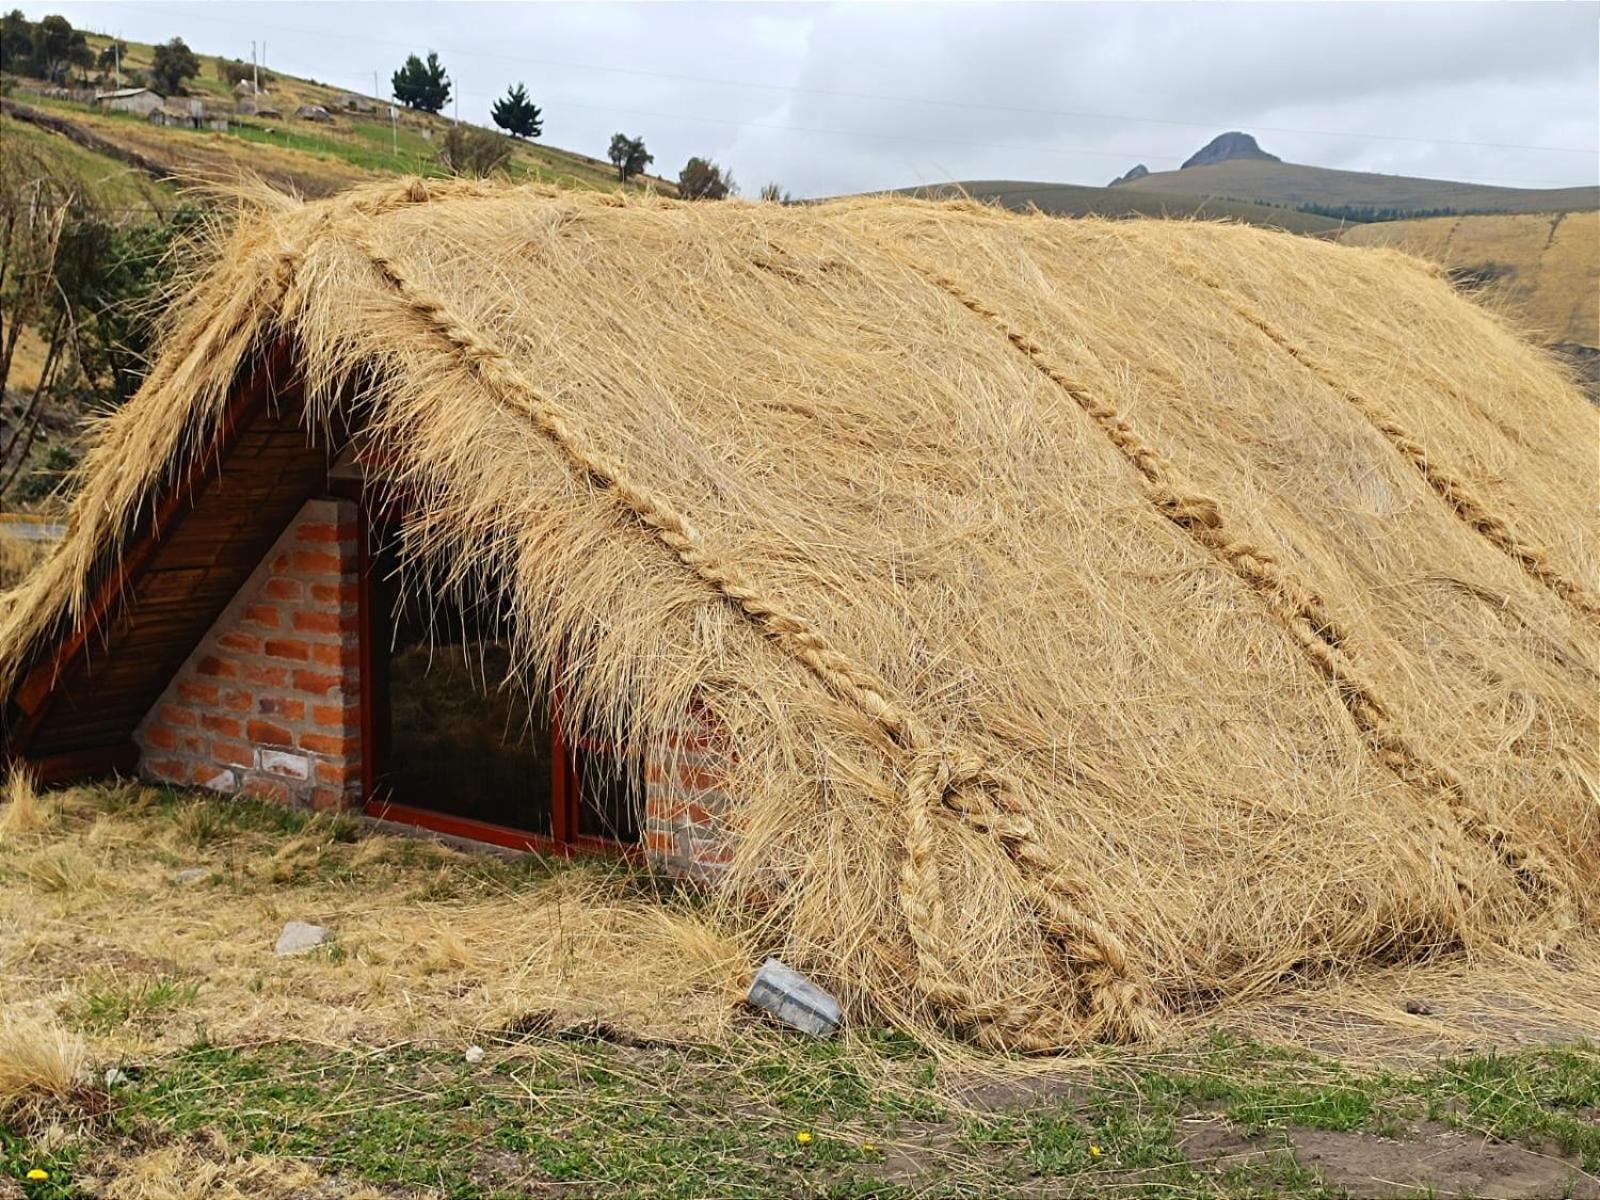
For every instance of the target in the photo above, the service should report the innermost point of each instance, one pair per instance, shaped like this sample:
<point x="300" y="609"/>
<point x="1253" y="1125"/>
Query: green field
<point x="1070" y="200"/>
<point x="1295" y="185"/>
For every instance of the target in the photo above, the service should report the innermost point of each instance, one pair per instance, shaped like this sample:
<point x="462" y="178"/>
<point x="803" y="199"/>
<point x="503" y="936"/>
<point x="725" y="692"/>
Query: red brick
<point x="235" y="754"/>
<point x="194" y="745"/>
<point x="176" y="714"/>
<point x="265" y="733"/>
<point x="217" y="723"/>
<point x="261" y="614"/>
<point x="328" y="655"/>
<point x="315" y="562"/>
<point x="317" y="531"/>
<point x="283" y="589"/>
<point x="245" y="643"/>
<point x="660" y="843"/>
<point x="655" y="771"/>
<point x="334" y="745"/>
<point x="315" y="683"/>
<point x="345" y="592"/>
<point x="281" y="563"/>
<point x="696" y="779"/>
<point x="339" y="773"/>
<point x="287" y="648"/>
<point x="161" y="737"/>
<point x="238" y="702"/>
<point x="172" y="769"/>
<point x="197" y="693"/>
<point x="276" y="706"/>
<point x="316" y="620"/>
<point x="266" y="676"/>
<point x="218" y="668"/>
<point x="325" y="798"/>
<point x="336" y="716"/>
<point x="267" y="789"/>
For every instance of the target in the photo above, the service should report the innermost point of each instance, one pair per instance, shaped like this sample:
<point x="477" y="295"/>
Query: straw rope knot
<point x="1117" y="1006"/>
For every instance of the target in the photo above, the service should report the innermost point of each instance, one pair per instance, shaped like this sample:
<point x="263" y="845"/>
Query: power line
<point x="925" y="100"/>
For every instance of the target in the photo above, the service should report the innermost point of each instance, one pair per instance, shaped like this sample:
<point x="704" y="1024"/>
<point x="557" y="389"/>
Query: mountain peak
<point x="1225" y="146"/>
<point x="1137" y="171"/>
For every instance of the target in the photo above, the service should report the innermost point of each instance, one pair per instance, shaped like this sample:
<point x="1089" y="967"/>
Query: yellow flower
<point x="38" y="1175"/>
<point x="1094" y="1151"/>
<point x="803" y="1137"/>
<point x="870" y="1147"/>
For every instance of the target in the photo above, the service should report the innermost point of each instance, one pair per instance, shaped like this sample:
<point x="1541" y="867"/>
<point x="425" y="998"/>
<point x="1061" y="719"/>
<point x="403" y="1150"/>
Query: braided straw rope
<point x="1306" y="618"/>
<point x="1452" y="488"/>
<point x="1118" y="1007"/>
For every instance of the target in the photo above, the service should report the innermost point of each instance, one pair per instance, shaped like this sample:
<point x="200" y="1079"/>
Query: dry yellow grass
<point x="1111" y="618"/>
<point x="22" y="810"/>
<point x="1543" y="269"/>
<point x="40" y="1065"/>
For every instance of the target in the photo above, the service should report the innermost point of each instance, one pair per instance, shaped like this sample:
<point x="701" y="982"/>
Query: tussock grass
<point x="1108" y="620"/>
<point x="41" y="1065"/>
<point x="22" y="810"/>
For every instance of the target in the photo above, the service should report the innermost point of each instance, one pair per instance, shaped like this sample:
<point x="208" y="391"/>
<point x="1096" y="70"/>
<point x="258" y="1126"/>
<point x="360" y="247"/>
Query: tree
<point x="629" y="156"/>
<point x="56" y="46"/>
<point x="16" y="42"/>
<point x="773" y="193"/>
<point x="173" y="63"/>
<point x="468" y="150"/>
<point x="702" y="179"/>
<point x="114" y="54"/>
<point x="422" y="85"/>
<point x="516" y="114"/>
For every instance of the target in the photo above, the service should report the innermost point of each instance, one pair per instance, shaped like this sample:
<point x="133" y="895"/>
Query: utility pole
<point x="116" y="54"/>
<point x="255" y="71"/>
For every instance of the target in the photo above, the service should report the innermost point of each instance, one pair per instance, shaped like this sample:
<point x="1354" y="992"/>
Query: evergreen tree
<point x="702" y="179"/>
<point x="422" y="85"/>
<point x="517" y="115"/>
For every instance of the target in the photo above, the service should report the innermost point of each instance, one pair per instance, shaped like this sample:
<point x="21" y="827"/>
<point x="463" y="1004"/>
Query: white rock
<point x="474" y="1055"/>
<point x="298" y="937"/>
<point x="115" y="1076"/>
<point x="191" y="875"/>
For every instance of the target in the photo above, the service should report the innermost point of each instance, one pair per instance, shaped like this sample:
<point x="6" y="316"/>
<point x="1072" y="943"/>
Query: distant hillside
<point x="311" y="157"/>
<point x="1070" y="200"/>
<point x="1350" y="193"/>
<point x="1543" y="268"/>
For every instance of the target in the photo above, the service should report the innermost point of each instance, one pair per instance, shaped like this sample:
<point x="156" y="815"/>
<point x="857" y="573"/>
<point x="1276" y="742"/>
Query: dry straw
<point x="1103" y="618"/>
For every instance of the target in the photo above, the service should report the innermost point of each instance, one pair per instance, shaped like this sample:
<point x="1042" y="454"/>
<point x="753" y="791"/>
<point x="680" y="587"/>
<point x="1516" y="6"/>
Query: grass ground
<point x="1296" y="183"/>
<point x="154" y="1047"/>
<point x="1542" y="268"/>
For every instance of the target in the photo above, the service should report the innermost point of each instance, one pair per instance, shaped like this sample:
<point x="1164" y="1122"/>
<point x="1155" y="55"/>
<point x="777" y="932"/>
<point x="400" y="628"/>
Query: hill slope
<point x="1545" y="269"/>
<point x="314" y="158"/>
<point x="1254" y="179"/>
<point x="1071" y="200"/>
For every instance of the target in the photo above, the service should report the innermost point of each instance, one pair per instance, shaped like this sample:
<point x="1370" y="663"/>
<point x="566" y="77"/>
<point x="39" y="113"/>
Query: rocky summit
<point x="1137" y="171"/>
<point x="1225" y="146"/>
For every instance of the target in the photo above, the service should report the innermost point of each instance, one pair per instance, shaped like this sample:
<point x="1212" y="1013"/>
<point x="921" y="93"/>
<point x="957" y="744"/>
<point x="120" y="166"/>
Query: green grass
<point x="1070" y="200"/>
<point x="765" y="1116"/>
<point x="1295" y="184"/>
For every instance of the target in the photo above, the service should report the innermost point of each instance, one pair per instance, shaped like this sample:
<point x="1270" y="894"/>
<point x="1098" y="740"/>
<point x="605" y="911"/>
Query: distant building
<point x="141" y="101"/>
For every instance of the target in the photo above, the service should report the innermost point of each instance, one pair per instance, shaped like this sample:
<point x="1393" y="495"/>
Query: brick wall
<point x="686" y="804"/>
<point x="268" y="705"/>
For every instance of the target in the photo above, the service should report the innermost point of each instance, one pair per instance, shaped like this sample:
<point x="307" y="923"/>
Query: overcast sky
<point x="836" y="98"/>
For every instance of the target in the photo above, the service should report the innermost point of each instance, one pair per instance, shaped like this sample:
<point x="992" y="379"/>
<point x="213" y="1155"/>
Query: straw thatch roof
<point x="1106" y="617"/>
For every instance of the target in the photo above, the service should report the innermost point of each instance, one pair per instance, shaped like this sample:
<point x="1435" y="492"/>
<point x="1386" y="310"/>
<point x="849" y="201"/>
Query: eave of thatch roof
<point x="1107" y="616"/>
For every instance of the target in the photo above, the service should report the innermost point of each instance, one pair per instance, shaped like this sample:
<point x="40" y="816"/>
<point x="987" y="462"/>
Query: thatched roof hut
<point x="1085" y="620"/>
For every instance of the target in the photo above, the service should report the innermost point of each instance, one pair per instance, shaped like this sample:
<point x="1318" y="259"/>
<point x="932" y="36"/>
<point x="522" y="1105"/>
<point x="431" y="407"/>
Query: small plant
<point x="22" y="810"/>
<point x="114" y="1005"/>
<point x="470" y="151"/>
